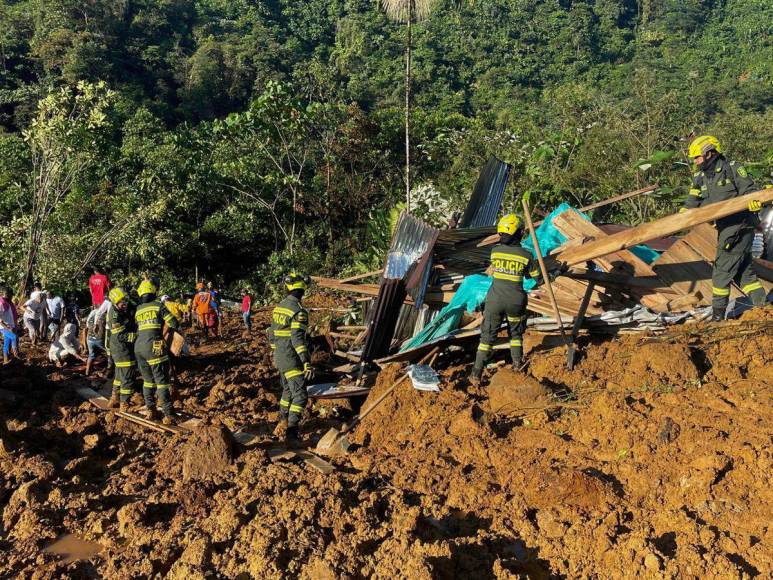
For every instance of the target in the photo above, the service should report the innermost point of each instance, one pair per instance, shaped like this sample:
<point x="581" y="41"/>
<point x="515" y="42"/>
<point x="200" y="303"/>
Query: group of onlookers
<point x="48" y="316"/>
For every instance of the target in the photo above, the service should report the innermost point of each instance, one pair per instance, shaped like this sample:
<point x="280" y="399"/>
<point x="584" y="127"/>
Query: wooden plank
<point x="573" y="225"/>
<point x="314" y="461"/>
<point x="617" y="198"/>
<point x="666" y="226"/>
<point x="685" y="271"/>
<point x="362" y="276"/>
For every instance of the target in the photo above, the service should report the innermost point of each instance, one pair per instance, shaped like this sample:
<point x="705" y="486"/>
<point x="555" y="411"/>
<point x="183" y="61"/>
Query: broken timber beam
<point x="573" y="225"/>
<point x="666" y="226"/>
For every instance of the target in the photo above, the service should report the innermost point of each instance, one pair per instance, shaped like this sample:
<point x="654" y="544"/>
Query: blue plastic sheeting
<point x="470" y="295"/>
<point x="549" y="239"/>
<point x="472" y="292"/>
<point x="645" y="253"/>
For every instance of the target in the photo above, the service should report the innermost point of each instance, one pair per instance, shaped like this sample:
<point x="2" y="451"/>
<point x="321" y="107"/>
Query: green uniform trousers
<point x="123" y="380"/>
<point x="294" y="398"/>
<point x="155" y="382"/>
<point x="497" y="309"/>
<point x="734" y="264"/>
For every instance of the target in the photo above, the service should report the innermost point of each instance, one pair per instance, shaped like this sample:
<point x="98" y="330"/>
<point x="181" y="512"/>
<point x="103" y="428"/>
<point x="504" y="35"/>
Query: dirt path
<point x="658" y="464"/>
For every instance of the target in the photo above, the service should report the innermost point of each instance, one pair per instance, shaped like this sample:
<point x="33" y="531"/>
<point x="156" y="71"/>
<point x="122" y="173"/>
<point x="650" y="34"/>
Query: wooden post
<point x="544" y="270"/>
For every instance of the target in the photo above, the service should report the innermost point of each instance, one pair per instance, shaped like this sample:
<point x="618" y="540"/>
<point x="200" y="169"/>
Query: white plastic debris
<point x="424" y="378"/>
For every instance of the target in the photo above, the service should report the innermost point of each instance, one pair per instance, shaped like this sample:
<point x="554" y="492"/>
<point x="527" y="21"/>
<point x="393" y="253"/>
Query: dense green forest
<point x="246" y="137"/>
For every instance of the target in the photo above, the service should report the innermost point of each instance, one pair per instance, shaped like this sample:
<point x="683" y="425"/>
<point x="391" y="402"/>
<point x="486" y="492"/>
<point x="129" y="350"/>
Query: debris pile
<point x="630" y="286"/>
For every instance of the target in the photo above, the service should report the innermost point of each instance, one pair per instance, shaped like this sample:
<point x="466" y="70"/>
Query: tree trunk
<point x="408" y="111"/>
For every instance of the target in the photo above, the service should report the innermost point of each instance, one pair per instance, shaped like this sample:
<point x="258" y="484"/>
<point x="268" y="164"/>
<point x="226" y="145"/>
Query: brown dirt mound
<point x="208" y="452"/>
<point x="657" y="468"/>
<point x="512" y="393"/>
<point x="630" y="363"/>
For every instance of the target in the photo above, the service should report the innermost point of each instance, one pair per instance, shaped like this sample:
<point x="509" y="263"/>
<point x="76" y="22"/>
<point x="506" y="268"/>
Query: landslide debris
<point x="650" y="458"/>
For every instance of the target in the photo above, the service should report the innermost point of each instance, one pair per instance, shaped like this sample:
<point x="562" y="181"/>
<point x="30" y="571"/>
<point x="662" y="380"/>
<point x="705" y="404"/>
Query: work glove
<point x="755" y="205"/>
<point x="308" y="372"/>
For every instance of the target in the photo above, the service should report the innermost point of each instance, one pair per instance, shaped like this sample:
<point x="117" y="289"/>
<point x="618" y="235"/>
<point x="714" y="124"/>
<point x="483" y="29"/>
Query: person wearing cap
<point x="123" y="334"/>
<point x="506" y="299"/>
<point x="151" y="352"/>
<point x="718" y="179"/>
<point x="289" y="341"/>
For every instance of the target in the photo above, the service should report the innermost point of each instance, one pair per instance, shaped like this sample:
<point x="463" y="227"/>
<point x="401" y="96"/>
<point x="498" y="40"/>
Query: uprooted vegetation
<point x="649" y="458"/>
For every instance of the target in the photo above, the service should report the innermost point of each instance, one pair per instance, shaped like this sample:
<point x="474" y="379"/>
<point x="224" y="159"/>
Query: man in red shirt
<point x="247" y="309"/>
<point x="99" y="284"/>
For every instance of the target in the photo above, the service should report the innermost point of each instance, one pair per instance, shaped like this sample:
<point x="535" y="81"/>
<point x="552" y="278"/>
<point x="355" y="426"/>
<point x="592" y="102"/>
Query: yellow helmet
<point x="146" y="287"/>
<point x="509" y="224"/>
<point x="702" y="145"/>
<point x="296" y="281"/>
<point x="116" y="295"/>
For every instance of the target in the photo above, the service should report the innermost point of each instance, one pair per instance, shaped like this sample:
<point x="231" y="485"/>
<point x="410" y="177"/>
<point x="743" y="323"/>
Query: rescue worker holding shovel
<point x="718" y="179"/>
<point x="510" y="264"/>
<point x="151" y="351"/>
<point x="288" y="337"/>
<point x="123" y="334"/>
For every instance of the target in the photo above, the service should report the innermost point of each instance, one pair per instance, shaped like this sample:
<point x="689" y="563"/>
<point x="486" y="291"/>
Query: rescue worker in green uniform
<point x="151" y="352"/>
<point x="718" y="179"/>
<point x="288" y="338"/>
<point x="123" y="334"/>
<point x="506" y="298"/>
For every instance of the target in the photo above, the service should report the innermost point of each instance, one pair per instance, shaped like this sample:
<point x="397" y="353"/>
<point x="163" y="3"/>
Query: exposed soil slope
<point x="652" y="457"/>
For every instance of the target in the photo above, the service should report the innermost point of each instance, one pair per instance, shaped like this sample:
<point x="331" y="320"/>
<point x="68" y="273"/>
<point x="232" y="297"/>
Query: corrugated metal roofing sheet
<point x="483" y="207"/>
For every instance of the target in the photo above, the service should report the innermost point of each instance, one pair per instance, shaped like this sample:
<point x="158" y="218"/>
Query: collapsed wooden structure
<point x="602" y="266"/>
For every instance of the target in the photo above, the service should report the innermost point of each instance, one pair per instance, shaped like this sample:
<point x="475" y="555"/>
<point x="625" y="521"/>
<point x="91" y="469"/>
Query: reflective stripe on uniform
<point x="116" y="383"/>
<point x="169" y="318"/>
<point x="534" y="273"/>
<point x="515" y="318"/>
<point x="157" y="361"/>
<point x="126" y="391"/>
<point x="285" y="311"/>
<point x="148" y="326"/>
<point x="751" y="287"/>
<point x="720" y="291"/>
<point x="161" y="387"/>
<point x="506" y="256"/>
<point x="300" y="349"/>
<point x="125" y="364"/>
<point x="299" y="325"/>
<point x="510" y="277"/>
<point x="117" y="329"/>
<point x="296" y="408"/>
<point x="284" y="403"/>
<point x="147" y="385"/>
<point x="484" y="347"/>
<point x="293" y="373"/>
<point x="284" y="333"/>
<point x="516" y="342"/>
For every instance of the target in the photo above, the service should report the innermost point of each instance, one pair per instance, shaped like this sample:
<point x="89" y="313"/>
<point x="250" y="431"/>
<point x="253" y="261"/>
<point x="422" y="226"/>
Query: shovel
<point x="335" y="441"/>
<point x="578" y="323"/>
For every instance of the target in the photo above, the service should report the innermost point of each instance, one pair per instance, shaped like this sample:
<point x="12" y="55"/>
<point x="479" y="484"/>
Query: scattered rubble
<point x="647" y="459"/>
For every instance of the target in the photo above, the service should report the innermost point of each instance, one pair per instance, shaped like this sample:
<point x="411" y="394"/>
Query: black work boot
<point x="291" y="437"/>
<point x="475" y="376"/>
<point x="718" y="315"/>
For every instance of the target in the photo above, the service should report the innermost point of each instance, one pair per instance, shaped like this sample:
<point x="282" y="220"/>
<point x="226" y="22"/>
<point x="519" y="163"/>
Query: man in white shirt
<point x="34" y="309"/>
<point x="67" y="345"/>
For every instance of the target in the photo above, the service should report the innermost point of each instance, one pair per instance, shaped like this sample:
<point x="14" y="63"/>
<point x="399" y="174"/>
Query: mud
<point x="651" y="458"/>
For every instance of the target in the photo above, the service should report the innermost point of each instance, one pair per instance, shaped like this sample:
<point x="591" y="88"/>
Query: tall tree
<point x="407" y="11"/>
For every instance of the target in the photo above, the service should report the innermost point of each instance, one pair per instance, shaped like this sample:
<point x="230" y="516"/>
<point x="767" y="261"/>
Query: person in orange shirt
<point x="201" y="306"/>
